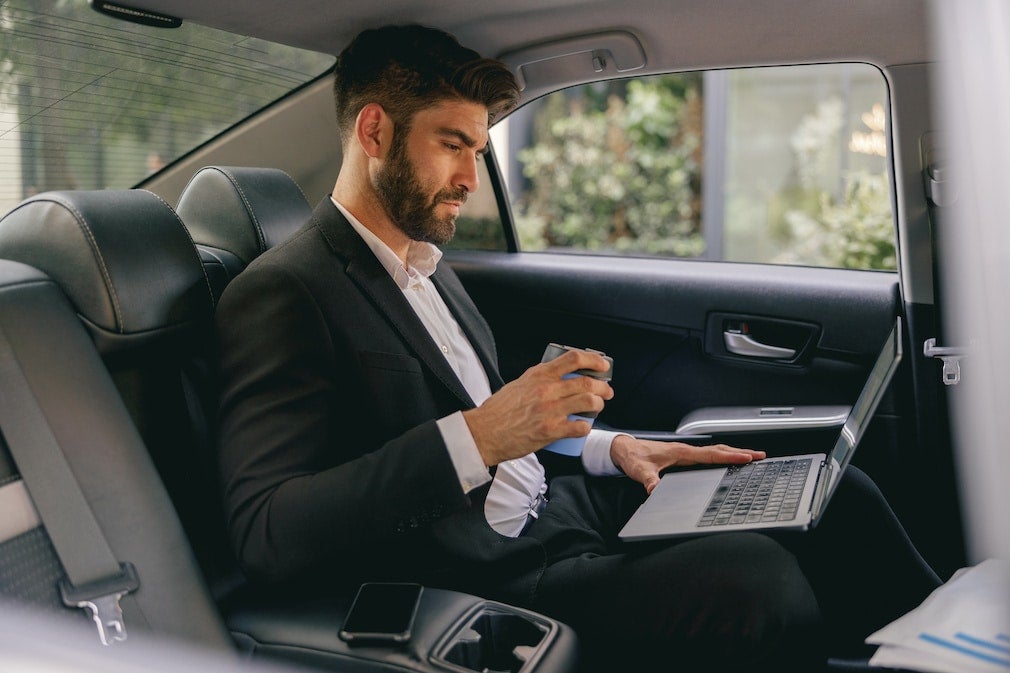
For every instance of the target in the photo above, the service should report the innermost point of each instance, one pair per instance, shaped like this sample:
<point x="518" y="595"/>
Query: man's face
<point x="431" y="169"/>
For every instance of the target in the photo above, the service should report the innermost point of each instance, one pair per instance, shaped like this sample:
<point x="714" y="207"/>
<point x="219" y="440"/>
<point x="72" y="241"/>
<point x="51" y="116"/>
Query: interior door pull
<point x="739" y="343"/>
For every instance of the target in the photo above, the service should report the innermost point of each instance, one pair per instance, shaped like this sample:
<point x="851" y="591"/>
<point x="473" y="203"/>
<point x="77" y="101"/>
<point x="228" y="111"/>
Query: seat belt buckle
<point x="100" y="599"/>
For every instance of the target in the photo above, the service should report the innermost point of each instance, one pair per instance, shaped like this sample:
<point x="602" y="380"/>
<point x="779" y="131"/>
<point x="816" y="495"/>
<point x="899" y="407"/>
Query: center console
<point x="452" y="633"/>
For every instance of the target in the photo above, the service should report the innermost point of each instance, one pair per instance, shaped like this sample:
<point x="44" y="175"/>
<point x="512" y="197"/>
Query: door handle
<point x="739" y="343"/>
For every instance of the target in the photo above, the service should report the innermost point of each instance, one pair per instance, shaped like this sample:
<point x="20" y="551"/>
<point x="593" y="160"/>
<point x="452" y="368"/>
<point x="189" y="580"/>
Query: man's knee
<point x="752" y="604"/>
<point x="720" y="603"/>
<point x="774" y="598"/>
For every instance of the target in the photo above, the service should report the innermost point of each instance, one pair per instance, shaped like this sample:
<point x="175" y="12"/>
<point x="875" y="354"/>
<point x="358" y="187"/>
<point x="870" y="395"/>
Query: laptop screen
<point x="859" y="417"/>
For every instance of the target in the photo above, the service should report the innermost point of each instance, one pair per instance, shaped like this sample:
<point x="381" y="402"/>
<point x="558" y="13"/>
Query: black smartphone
<point x="382" y="611"/>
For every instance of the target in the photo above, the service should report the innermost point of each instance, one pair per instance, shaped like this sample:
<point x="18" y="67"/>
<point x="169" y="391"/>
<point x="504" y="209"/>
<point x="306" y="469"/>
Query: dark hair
<point x="407" y="68"/>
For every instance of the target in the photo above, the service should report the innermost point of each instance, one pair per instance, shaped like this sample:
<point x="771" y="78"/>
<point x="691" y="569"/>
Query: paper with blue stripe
<point x="962" y="627"/>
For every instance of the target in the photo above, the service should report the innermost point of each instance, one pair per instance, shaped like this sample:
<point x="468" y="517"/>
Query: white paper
<point x="962" y="627"/>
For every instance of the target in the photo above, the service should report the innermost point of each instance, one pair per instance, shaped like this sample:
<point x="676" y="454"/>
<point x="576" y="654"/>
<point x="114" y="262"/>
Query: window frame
<point x="508" y="218"/>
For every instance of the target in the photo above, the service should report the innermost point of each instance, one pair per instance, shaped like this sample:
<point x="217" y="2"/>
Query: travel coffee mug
<point x="572" y="446"/>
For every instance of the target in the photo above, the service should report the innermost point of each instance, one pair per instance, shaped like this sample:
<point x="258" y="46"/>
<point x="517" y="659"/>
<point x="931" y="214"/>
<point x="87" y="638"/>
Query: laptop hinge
<point x="821" y="487"/>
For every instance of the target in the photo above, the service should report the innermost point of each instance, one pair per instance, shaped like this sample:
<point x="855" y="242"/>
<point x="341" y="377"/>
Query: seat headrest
<point x="122" y="257"/>
<point x="243" y="211"/>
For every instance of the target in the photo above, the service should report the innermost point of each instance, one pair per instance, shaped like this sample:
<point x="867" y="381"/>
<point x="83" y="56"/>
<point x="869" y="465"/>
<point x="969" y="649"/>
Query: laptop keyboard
<point x="757" y="492"/>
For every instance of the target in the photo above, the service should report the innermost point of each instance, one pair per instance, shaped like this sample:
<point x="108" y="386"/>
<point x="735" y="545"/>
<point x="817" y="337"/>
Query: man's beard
<point x="406" y="202"/>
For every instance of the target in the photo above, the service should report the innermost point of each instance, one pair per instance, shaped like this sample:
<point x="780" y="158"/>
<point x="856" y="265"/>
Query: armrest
<point x="452" y="632"/>
<point x="727" y="420"/>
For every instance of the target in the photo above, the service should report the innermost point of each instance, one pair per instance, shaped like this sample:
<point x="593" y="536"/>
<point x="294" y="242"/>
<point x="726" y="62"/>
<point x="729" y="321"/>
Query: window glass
<point x="782" y="165"/>
<point x="89" y="102"/>
<point x="479" y="225"/>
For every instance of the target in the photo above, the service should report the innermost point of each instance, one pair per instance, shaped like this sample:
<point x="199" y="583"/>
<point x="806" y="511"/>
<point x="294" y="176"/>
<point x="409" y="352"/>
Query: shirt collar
<point x="422" y="257"/>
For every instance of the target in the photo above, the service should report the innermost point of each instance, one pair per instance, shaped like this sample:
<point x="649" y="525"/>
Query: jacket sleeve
<point x="308" y="475"/>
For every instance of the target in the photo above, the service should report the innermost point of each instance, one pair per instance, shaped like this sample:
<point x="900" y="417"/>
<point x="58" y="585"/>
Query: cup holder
<point x="496" y="641"/>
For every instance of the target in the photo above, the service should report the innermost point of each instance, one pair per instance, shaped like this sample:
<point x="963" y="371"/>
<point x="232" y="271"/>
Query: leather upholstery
<point x="84" y="410"/>
<point x="301" y="629"/>
<point x="133" y="274"/>
<point x="242" y="211"/>
<point x="123" y="258"/>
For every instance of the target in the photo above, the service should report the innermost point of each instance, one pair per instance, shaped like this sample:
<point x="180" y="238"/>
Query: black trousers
<point x="724" y="602"/>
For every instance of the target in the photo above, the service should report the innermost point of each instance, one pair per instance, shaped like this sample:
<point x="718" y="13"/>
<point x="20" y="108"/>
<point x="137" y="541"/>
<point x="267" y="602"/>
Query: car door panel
<point x="664" y="322"/>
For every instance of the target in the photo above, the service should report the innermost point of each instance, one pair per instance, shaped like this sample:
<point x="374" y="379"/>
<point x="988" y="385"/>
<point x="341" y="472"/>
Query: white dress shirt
<point x="518" y="482"/>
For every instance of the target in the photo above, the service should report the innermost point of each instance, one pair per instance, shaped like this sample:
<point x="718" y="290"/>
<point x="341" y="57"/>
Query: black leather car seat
<point x="133" y="279"/>
<point x="133" y="275"/>
<point x="235" y="213"/>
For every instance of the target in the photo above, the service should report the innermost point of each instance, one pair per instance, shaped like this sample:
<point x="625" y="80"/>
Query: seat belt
<point x="95" y="581"/>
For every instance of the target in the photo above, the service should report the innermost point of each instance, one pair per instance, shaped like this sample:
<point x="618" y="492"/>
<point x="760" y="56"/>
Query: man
<point x="366" y="433"/>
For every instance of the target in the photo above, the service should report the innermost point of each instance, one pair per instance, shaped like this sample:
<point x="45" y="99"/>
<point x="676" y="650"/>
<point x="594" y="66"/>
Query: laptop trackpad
<point x="676" y="504"/>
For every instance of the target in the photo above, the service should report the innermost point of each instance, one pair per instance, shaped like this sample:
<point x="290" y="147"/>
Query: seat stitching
<point x="297" y="186"/>
<point x="206" y="279"/>
<point x="101" y="261"/>
<point x="249" y="208"/>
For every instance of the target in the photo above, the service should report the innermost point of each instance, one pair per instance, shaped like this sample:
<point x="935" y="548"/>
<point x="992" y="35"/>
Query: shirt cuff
<point x="596" y="454"/>
<point x="470" y="467"/>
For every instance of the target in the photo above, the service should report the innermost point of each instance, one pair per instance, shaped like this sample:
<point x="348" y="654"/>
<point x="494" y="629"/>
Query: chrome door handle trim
<point x="742" y="344"/>
<point x="722" y="420"/>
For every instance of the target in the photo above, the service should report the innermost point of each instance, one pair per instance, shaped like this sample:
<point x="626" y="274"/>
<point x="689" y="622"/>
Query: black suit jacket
<point x="330" y="456"/>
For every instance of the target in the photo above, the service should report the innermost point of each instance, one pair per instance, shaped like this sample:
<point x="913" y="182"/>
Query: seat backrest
<point x="133" y="276"/>
<point x="108" y="459"/>
<point x="235" y="213"/>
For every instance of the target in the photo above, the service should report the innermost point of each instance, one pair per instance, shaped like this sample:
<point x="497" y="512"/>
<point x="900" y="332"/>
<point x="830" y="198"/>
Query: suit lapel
<point x="365" y="271"/>
<point x="466" y="314"/>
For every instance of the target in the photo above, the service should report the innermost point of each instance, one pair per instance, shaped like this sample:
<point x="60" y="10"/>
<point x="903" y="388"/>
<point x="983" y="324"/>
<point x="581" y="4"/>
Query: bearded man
<point x="366" y="433"/>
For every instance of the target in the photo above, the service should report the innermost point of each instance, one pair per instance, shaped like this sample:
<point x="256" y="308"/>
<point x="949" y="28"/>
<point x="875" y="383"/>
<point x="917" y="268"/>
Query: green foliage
<point x="616" y="173"/>
<point x="854" y="232"/>
<point x="478" y="233"/>
<point x="616" y="168"/>
<point x="102" y="102"/>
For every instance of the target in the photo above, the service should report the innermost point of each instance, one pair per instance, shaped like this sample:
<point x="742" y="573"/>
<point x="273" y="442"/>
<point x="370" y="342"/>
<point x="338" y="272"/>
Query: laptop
<point x="784" y="493"/>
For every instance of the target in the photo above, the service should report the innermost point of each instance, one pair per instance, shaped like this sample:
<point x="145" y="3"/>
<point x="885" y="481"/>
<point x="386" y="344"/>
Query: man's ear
<point x="374" y="130"/>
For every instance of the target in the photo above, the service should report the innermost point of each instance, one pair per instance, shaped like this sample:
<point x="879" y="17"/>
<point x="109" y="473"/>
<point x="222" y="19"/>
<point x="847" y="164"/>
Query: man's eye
<point x="453" y="148"/>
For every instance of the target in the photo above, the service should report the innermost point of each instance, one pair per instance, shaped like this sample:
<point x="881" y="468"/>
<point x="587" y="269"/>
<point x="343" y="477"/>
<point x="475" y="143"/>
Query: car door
<point x="721" y="330"/>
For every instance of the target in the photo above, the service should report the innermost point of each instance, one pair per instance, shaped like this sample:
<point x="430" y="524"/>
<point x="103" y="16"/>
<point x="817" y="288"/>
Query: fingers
<point x="644" y="473"/>
<point x="575" y="360"/>
<point x="551" y="385"/>
<point x="644" y="460"/>
<point x="663" y="455"/>
<point x="722" y="453"/>
<point x="579" y="386"/>
<point x="534" y="410"/>
<point x="584" y="393"/>
<point x="577" y="428"/>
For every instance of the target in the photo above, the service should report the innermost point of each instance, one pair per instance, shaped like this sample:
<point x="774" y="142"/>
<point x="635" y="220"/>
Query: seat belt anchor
<point x="100" y="599"/>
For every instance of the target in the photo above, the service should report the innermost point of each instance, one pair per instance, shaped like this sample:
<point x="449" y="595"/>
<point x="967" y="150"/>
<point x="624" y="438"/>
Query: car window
<point x="480" y="225"/>
<point x="784" y="165"/>
<point x="92" y="102"/>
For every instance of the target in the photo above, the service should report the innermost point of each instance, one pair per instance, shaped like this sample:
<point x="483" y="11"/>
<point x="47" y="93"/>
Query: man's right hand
<point x="532" y="411"/>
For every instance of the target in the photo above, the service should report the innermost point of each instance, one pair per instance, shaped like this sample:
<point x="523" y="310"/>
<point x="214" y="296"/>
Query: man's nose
<point x="467" y="176"/>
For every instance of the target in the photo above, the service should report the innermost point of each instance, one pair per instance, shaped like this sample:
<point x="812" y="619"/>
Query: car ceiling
<point x="676" y="34"/>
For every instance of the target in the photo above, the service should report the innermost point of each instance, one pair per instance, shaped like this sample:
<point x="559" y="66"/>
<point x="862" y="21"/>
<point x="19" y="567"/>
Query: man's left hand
<point x="644" y="459"/>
